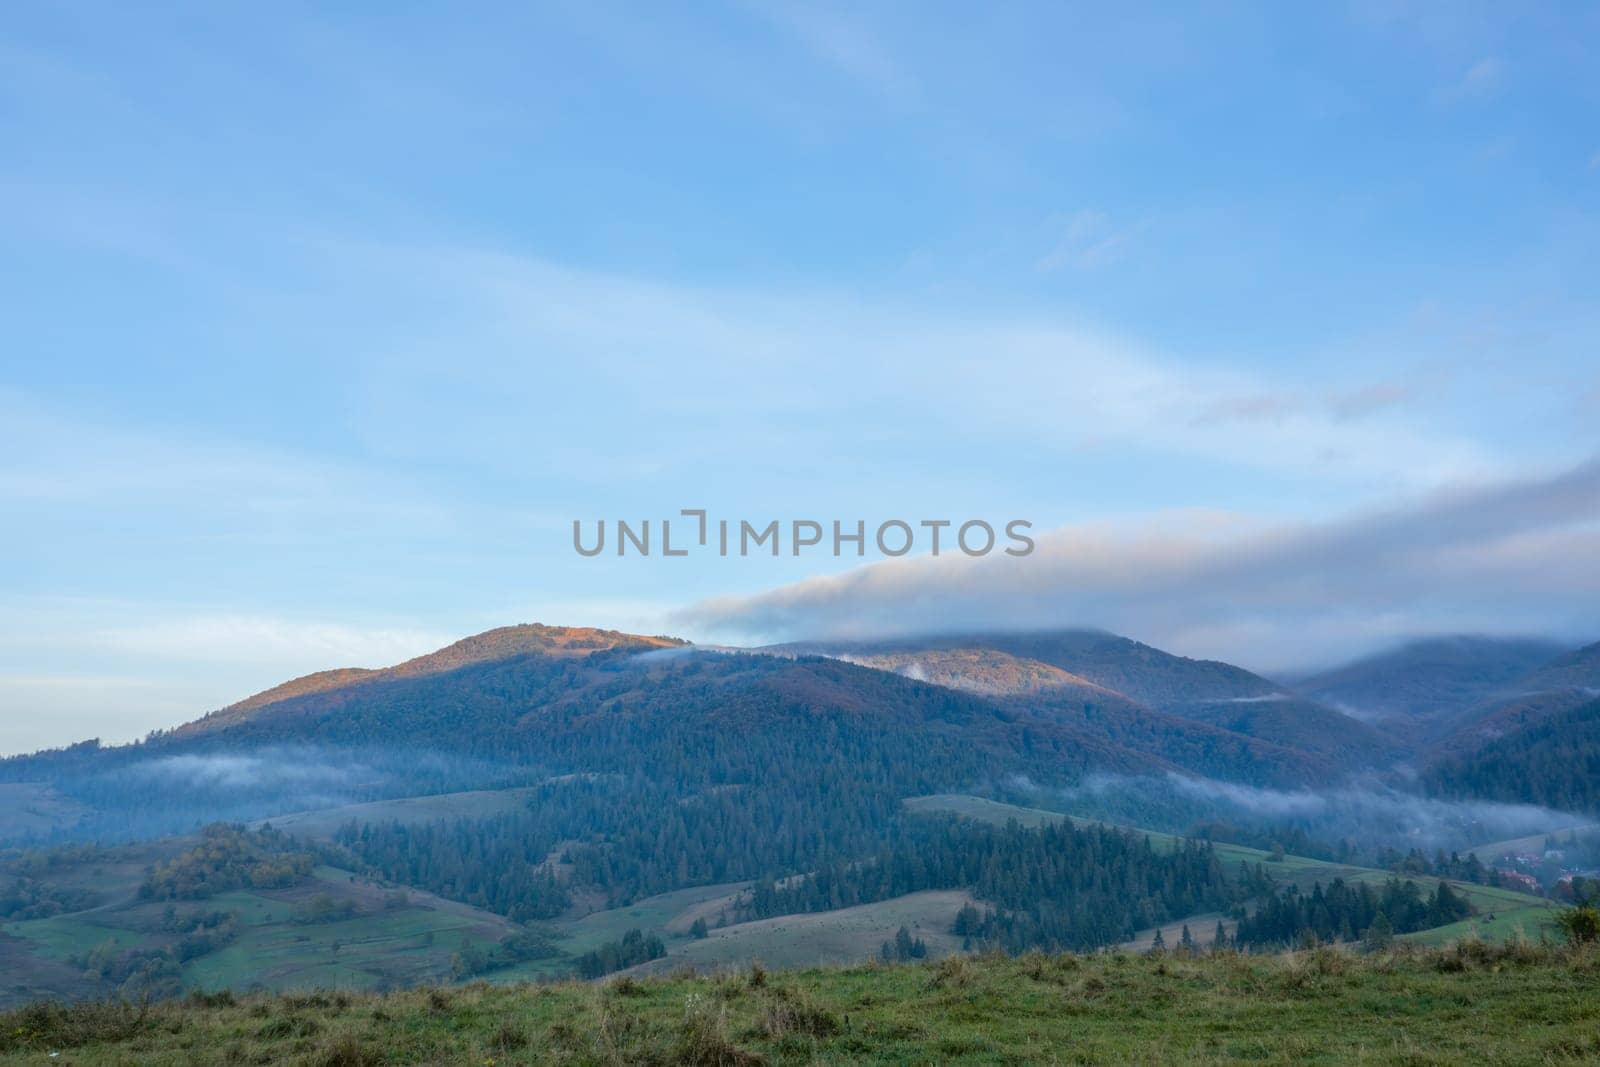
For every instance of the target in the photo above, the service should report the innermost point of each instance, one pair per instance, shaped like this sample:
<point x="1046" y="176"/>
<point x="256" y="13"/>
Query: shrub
<point x="50" y="1025"/>
<point x="1581" y="924"/>
<point x="626" y="986"/>
<point x="509" y="1038"/>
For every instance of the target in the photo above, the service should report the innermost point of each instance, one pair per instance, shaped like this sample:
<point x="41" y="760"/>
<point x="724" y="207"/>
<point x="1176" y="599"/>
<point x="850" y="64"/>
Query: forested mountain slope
<point x="1137" y="671"/>
<point x="1210" y="718"/>
<point x="1431" y="678"/>
<point x="506" y="642"/>
<point x="1554" y="762"/>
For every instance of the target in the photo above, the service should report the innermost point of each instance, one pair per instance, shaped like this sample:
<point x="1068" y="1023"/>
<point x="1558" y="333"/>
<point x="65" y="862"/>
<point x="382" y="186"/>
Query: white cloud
<point x="1511" y="556"/>
<point x="817" y="366"/>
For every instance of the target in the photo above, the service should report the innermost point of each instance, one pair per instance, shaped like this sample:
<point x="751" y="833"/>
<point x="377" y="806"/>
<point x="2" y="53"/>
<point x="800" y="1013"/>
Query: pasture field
<point x="1532" y="844"/>
<point x="380" y="938"/>
<point x="845" y="935"/>
<point x="1471" y="1003"/>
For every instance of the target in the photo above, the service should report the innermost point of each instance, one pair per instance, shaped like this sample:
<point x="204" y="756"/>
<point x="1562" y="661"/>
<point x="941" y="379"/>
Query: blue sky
<point x="321" y="325"/>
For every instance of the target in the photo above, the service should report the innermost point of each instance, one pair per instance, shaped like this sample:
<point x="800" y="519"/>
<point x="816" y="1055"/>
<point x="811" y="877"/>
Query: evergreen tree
<point x="1380" y="933"/>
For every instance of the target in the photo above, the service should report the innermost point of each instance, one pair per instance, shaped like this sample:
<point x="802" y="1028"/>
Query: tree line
<point x="1349" y="912"/>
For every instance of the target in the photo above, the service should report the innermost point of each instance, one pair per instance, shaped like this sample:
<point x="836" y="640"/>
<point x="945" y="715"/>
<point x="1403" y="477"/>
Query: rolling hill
<point x="1485" y="726"/>
<point x="1136" y="671"/>
<point x="1303" y="726"/>
<point x="1443" y="694"/>
<point x="1501" y="913"/>
<point x="1556" y="687"/>
<point x="1429" y="679"/>
<point x="330" y="928"/>
<point x="600" y="787"/>
<point x="1207" y="717"/>
<point x="1553" y="761"/>
<point x="1578" y="669"/>
<point x="519" y="704"/>
<point x="506" y="642"/>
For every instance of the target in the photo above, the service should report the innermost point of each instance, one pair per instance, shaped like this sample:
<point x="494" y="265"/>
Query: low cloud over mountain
<point x="1518" y="555"/>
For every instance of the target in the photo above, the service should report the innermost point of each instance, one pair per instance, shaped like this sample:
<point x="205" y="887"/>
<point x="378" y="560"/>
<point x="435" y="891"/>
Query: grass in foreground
<point x="1469" y="1003"/>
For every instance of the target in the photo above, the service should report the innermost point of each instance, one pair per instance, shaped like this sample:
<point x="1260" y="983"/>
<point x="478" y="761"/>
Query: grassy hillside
<point x="1533" y="843"/>
<point x="1472" y="1003"/>
<point x="382" y="937"/>
<point x="333" y="929"/>
<point x="844" y="935"/>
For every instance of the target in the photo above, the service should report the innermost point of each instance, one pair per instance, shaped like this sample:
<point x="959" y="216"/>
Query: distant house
<point x="1518" y="880"/>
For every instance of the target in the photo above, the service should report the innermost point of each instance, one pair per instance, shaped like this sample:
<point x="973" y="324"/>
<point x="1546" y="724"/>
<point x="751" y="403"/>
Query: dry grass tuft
<point x="792" y="1012"/>
<point x="703" y="1039"/>
<point x="346" y="1051"/>
<point x="952" y="972"/>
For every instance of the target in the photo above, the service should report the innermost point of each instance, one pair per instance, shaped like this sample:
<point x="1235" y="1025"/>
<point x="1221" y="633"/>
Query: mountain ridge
<point x="1429" y="677"/>
<point x="501" y="642"/>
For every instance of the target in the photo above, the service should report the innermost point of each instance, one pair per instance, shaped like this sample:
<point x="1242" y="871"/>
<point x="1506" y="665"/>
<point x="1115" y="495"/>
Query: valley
<point x="572" y="801"/>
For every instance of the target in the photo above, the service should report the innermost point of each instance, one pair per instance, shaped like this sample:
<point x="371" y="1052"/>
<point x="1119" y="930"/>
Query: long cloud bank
<point x="1515" y="556"/>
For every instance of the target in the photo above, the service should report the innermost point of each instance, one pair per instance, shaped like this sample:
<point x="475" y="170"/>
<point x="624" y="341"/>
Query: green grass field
<point x="1472" y="1003"/>
<point x="845" y="935"/>
<point x="387" y="942"/>
<point x="1534" y="843"/>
